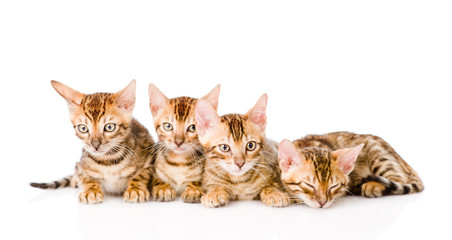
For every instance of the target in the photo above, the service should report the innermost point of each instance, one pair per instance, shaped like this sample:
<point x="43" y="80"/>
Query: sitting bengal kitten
<point x="178" y="158"/>
<point x="319" y="168"/>
<point x="114" y="156"/>
<point x="241" y="164"/>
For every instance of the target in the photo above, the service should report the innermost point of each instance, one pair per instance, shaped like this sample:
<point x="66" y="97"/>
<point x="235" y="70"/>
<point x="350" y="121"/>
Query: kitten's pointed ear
<point x="346" y="158"/>
<point x="289" y="156"/>
<point x="73" y="97"/>
<point x="257" y="114"/>
<point x="157" y="100"/>
<point x="206" y="117"/>
<point x="126" y="97"/>
<point x="212" y="97"/>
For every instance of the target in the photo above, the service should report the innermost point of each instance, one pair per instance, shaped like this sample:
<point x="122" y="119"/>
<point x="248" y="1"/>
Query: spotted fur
<point x="114" y="159"/>
<point x="240" y="172"/>
<point x="373" y="169"/>
<point x="179" y="157"/>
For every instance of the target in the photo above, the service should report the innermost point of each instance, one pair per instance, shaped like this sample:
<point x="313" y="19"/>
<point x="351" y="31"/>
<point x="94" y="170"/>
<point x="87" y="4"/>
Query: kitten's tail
<point x="395" y="188"/>
<point x="64" y="182"/>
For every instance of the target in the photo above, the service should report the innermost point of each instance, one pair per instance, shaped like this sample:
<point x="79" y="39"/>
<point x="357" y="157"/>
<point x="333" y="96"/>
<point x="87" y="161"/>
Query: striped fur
<point x="178" y="159"/>
<point x="240" y="173"/>
<point x="114" y="160"/>
<point x="378" y="169"/>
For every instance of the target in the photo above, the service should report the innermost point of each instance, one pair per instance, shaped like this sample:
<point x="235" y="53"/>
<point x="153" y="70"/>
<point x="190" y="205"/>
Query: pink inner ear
<point x="212" y="97"/>
<point x="348" y="158"/>
<point x="126" y="97"/>
<point x="157" y="99"/>
<point x="288" y="155"/>
<point x="257" y="113"/>
<point x="206" y="117"/>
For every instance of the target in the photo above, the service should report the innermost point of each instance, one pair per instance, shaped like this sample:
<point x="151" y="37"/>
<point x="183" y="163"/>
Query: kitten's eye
<point x="224" y="147"/>
<point x="82" y="128"/>
<point x="251" y="146"/>
<point x="168" y="126"/>
<point x="308" y="185"/>
<point x="191" y="128"/>
<point x="334" y="187"/>
<point x="110" y="127"/>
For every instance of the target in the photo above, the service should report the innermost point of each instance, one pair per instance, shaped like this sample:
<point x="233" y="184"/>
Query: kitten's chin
<point x="97" y="153"/>
<point x="237" y="173"/>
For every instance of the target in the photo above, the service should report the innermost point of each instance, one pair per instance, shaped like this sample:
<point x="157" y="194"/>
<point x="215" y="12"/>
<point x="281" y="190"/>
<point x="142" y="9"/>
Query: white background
<point x="379" y="67"/>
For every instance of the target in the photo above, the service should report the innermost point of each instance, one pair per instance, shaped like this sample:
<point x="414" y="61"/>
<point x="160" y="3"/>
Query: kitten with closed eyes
<point x="318" y="169"/>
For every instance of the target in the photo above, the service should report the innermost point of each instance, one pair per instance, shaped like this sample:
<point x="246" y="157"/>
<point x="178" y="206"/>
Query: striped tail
<point x="392" y="187"/>
<point x="64" y="182"/>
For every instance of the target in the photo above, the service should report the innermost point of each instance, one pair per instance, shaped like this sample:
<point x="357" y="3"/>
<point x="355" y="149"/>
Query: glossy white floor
<point x="381" y="68"/>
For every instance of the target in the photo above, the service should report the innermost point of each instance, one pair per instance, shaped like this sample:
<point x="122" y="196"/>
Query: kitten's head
<point x="316" y="175"/>
<point x="233" y="141"/>
<point x="174" y="119"/>
<point x="101" y="120"/>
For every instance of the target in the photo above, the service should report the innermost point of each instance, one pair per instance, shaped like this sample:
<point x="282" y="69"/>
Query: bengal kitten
<point x="179" y="157"/>
<point x="114" y="156"/>
<point x="319" y="168"/>
<point x="241" y="163"/>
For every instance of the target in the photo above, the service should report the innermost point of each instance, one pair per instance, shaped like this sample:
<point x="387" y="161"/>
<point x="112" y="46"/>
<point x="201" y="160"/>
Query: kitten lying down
<point x="317" y="169"/>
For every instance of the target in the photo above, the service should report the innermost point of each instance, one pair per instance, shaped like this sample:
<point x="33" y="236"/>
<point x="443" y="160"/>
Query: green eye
<point x="224" y="147"/>
<point x="82" y="128"/>
<point x="192" y="128"/>
<point x="110" y="127"/>
<point x="251" y="146"/>
<point x="167" y="126"/>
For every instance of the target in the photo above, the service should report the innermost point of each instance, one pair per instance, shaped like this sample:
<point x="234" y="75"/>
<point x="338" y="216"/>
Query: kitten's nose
<point x="95" y="143"/>
<point x="240" y="164"/>
<point x="322" y="202"/>
<point x="178" y="141"/>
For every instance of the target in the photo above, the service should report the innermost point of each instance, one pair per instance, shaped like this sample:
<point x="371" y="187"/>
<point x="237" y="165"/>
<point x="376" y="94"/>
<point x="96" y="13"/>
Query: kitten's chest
<point x="113" y="178"/>
<point x="178" y="171"/>
<point x="247" y="190"/>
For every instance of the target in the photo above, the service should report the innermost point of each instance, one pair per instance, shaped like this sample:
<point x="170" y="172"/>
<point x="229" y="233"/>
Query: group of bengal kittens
<point x="212" y="159"/>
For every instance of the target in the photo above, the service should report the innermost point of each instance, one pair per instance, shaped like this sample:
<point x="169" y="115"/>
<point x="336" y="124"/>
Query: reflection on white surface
<point x="348" y="218"/>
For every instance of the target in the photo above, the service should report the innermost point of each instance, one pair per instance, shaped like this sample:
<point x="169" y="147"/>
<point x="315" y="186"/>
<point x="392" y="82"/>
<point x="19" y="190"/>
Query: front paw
<point x="91" y="197"/>
<point x="136" y="195"/>
<point x="215" y="199"/>
<point x="163" y="193"/>
<point x="276" y="198"/>
<point x="372" y="189"/>
<point x="191" y="195"/>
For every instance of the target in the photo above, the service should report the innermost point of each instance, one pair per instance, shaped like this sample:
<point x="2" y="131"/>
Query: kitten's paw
<point x="191" y="195"/>
<point x="372" y="189"/>
<point x="215" y="199"/>
<point x="163" y="193"/>
<point x="276" y="199"/>
<point x="136" y="195"/>
<point x="91" y="197"/>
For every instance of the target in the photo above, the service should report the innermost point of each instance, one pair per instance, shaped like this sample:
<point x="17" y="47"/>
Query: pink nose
<point x="178" y="142"/>
<point x="322" y="202"/>
<point x="240" y="164"/>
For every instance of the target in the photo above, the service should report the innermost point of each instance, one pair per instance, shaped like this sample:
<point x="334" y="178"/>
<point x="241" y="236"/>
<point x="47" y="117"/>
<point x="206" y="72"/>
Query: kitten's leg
<point x="215" y="197"/>
<point x="91" y="190"/>
<point x="274" y="197"/>
<point x="161" y="191"/>
<point x="192" y="193"/>
<point x="137" y="187"/>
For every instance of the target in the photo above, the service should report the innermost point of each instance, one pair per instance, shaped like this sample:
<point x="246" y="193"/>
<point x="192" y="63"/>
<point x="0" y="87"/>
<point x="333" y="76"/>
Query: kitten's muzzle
<point x="95" y="143"/>
<point x="179" y="140"/>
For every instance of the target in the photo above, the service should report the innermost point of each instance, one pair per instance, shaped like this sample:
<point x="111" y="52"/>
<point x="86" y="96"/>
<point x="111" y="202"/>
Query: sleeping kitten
<point x="179" y="158"/>
<point x="115" y="146"/>
<point x="241" y="164"/>
<point x="319" y="168"/>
